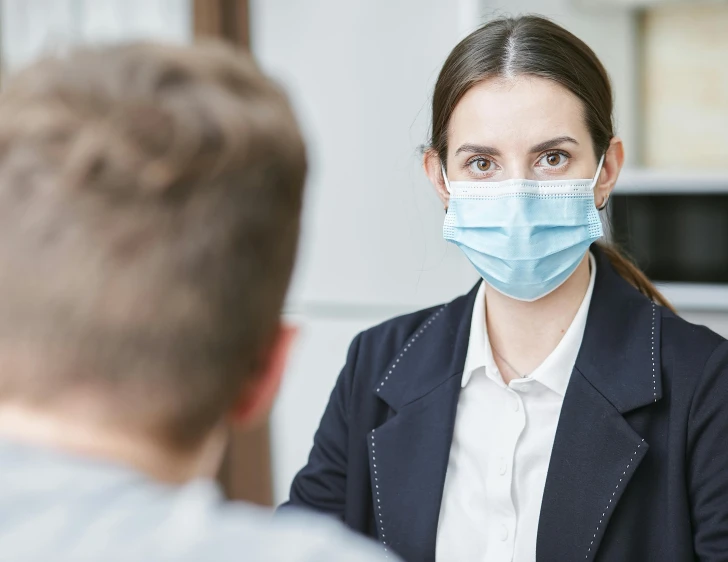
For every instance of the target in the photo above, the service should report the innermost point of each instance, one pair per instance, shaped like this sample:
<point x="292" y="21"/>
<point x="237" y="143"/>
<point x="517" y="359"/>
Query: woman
<point x="560" y="411"/>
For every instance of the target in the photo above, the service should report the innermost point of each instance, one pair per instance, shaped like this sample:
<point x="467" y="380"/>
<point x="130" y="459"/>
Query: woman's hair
<point x="535" y="46"/>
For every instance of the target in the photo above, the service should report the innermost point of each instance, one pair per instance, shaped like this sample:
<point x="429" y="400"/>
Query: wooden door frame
<point x="246" y="470"/>
<point x="223" y="19"/>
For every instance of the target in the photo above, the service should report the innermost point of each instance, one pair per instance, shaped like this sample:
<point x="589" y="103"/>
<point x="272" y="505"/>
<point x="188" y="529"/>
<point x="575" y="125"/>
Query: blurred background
<point x="360" y="74"/>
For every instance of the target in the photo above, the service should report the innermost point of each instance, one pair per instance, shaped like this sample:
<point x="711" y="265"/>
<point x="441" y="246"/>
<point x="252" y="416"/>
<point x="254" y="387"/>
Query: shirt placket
<point x="503" y="531"/>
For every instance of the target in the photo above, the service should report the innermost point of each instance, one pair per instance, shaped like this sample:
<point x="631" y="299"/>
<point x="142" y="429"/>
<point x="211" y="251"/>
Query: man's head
<point x="149" y="214"/>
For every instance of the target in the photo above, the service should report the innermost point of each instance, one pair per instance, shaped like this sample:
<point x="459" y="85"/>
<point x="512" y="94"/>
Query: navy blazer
<point x="639" y="466"/>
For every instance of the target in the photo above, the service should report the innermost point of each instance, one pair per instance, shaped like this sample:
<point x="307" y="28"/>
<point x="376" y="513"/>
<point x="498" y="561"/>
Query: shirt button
<point x="503" y="466"/>
<point x="503" y="533"/>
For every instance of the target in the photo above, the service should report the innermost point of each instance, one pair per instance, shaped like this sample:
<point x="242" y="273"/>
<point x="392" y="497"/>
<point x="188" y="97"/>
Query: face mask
<point x="524" y="237"/>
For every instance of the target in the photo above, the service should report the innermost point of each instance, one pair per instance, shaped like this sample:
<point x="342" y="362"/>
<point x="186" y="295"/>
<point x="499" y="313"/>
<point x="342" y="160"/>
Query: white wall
<point x="361" y="75"/>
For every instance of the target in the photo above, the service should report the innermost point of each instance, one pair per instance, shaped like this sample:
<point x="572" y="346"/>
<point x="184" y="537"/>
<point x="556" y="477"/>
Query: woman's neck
<point x="523" y="334"/>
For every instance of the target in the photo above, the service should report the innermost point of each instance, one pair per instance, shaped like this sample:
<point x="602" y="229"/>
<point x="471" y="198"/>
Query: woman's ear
<point x="613" y="162"/>
<point x="433" y="168"/>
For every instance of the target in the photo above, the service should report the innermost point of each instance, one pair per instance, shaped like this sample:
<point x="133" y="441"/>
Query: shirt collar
<point x="478" y="343"/>
<point x="555" y="371"/>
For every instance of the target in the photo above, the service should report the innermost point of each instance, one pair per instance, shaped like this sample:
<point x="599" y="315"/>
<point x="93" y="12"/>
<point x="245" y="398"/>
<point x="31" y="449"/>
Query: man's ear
<point x="613" y="162"/>
<point x="433" y="168"/>
<point x="260" y="390"/>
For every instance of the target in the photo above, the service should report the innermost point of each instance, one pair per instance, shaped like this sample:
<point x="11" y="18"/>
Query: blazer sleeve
<point x="321" y="484"/>
<point x="708" y="459"/>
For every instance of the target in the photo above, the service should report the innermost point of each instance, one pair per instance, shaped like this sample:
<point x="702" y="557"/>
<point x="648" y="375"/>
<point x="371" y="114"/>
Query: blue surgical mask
<point x="524" y="237"/>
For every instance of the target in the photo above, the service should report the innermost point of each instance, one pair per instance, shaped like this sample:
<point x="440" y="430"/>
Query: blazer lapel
<point x="594" y="456"/>
<point x="596" y="451"/>
<point x="409" y="453"/>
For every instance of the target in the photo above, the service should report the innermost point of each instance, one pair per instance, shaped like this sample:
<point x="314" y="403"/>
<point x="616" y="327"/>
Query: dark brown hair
<point x="150" y="199"/>
<point x="533" y="45"/>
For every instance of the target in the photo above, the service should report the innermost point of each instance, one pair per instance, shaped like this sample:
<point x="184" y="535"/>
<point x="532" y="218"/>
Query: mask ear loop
<point x="596" y="179"/>
<point x="444" y="177"/>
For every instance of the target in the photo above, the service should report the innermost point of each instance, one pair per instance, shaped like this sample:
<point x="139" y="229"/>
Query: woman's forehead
<point x="524" y="110"/>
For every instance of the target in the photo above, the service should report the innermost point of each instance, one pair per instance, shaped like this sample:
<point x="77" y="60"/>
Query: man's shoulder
<point x="93" y="510"/>
<point x="291" y="536"/>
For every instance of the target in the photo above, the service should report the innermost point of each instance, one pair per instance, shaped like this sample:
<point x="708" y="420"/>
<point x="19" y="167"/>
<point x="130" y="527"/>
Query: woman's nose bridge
<point x="516" y="166"/>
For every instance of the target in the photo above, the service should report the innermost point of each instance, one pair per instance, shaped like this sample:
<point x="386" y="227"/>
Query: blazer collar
<point x="432" y="354"/>
<point x="619" y="354"/>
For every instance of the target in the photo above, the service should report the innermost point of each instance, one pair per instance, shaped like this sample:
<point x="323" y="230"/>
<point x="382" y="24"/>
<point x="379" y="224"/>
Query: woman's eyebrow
<point x="552" y="143"/>
<point x="477" y="149"/>
<point x="540" y="147"/>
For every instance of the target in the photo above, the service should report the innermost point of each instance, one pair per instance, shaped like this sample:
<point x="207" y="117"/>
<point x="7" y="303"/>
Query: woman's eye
<point x="553" y="160"/>
<point x="482" y="165"/>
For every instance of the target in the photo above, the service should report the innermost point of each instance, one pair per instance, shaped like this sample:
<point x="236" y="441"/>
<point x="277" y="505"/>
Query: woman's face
<point x="525" y="127"/>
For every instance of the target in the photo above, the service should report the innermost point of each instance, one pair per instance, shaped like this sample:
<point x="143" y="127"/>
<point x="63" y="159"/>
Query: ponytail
<point x="633" y="275"/>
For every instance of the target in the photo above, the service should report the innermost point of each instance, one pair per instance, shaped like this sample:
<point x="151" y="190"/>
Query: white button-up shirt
<point x="501" y="448"/>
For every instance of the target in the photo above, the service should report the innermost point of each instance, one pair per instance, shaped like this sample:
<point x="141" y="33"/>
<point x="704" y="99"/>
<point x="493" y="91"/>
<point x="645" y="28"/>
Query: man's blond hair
<point x="150" y="199"/>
